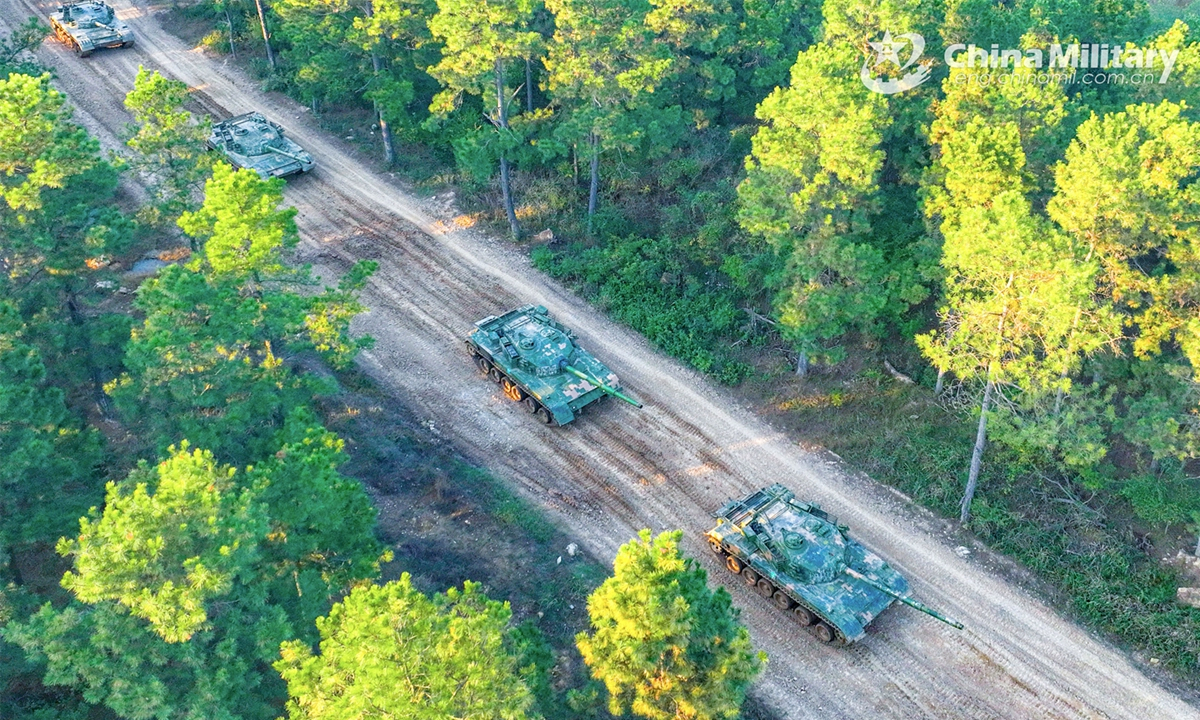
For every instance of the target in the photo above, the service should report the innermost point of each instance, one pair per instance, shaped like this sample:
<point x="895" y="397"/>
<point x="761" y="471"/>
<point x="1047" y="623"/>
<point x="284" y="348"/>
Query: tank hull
<point x="250" y="141"/>
<point x="834" y="606"/>
<point x="89" y="26"/>
<point x="524" y="351"/>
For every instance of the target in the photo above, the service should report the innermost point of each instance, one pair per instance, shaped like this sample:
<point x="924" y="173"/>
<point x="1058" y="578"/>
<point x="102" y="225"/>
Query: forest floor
<point x="617" y="469"/>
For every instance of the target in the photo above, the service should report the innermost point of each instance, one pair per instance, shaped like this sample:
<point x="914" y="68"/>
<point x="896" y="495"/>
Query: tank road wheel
<point x="734" y="565"/>
<point x="823" y="632"/>
<point x="530" y="404"/>
<point x="495" y="374"/>
<point x="750" y="577"/>
<point x="544" y="415"/>
<point x="484" y="366"/>
<point x="783" y="602"/>
<point x="803" y="615"/>
<point x="716" y="546"/>
<point x="512" y="390"/>
<point x="765" y="588"/>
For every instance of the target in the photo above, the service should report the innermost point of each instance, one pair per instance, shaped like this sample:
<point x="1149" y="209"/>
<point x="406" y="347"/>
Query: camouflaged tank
<point x="536" y="361"/>
<point x="799" y="557"/>
<point x="251" y="141"/>
<point x="85" y="26"/>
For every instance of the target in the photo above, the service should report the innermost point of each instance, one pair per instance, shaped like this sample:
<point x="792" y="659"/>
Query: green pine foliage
<point x="49" y="461"/>
<point x="169" y="541"/>
<point x="811" y="191"/>
<point x="209" y="362"/>
<point x="392" y="649"/>
<point x="320" y="536"/>
<point x="195" y="572"/>
<point x="170" y="145"/>
<point x="206" y="366"/>
<point x="40" y="148"/>
<point x="16" y="48"/>
<point x="240" y="225"/>
<point x="664" y="645"/>
<point x="116" y="660"/>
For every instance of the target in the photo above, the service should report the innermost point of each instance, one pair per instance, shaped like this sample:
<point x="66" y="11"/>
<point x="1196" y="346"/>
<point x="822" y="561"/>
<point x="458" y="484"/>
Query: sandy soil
<point x="618" y="469"/>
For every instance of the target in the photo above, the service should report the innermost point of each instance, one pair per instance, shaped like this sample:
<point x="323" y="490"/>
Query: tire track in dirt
<point x="617" y="469"/>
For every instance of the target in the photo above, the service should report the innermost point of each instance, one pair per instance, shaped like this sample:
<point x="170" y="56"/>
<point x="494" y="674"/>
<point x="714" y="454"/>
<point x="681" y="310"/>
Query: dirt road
<point x="619" y="469"/>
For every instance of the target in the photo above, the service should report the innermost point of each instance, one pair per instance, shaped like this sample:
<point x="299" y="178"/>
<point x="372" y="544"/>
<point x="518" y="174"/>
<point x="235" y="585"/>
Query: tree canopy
<point x="392" y="649"/>
<point x="664" y="645"/>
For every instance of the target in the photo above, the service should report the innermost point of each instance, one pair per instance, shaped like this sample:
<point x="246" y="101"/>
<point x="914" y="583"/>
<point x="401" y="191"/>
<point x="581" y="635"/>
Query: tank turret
<point x="538" y="363"/>
<point x="797" y="555"/>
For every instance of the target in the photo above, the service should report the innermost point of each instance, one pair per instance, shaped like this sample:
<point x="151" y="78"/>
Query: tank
<point x="86" y="26"/>
<point x="537" y="362"/>
<point x="797" y="556"/>
<point x="253" y="142"/>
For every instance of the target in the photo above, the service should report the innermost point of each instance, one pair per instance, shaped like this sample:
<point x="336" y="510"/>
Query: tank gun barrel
<point x="902" y="598"/>
<point x="587" y="377"/>
<point x="284" y="153"/>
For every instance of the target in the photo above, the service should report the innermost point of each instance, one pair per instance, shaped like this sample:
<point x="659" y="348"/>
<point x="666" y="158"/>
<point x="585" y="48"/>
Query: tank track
<point x="512" y="389"/>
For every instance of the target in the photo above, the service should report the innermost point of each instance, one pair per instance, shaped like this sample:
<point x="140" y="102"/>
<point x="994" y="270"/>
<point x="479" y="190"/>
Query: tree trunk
<point x="262" y="19"/>
<point x="229" y="20"/>
<point x="528" y="85"/>
<point x="977" y="454"/>
<point x="594" y="184"/>
<point x="389" y="148"/>
<point x="802" y="364"/>
<point x="502" y="121"/>
<point x="937" y="387"/>
<point x="981" y="434"/>
<point x="103" y="404"/>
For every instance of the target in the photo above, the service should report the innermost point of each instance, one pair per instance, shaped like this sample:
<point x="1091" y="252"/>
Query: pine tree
<point x="168" y="542"/>
<point x="40" y="148"/>
<point x="811" y="191"/>
<point x="1127" y="191"/>
<point x="194" y="574"/>
<point x="604" y="65"/>
<point x="48" y="462"/>
<point x="1019" y="311"/>
<point x="664" y="645"/>
<point x="240" y="225"/>
<point x="392" y="649"/>
<point x="170" y="142"/>
<point x="479" y="39"/>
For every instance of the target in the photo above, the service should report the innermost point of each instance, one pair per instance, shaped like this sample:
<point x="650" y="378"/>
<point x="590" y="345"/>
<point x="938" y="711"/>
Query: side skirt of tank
<point x="550" y="416"/>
